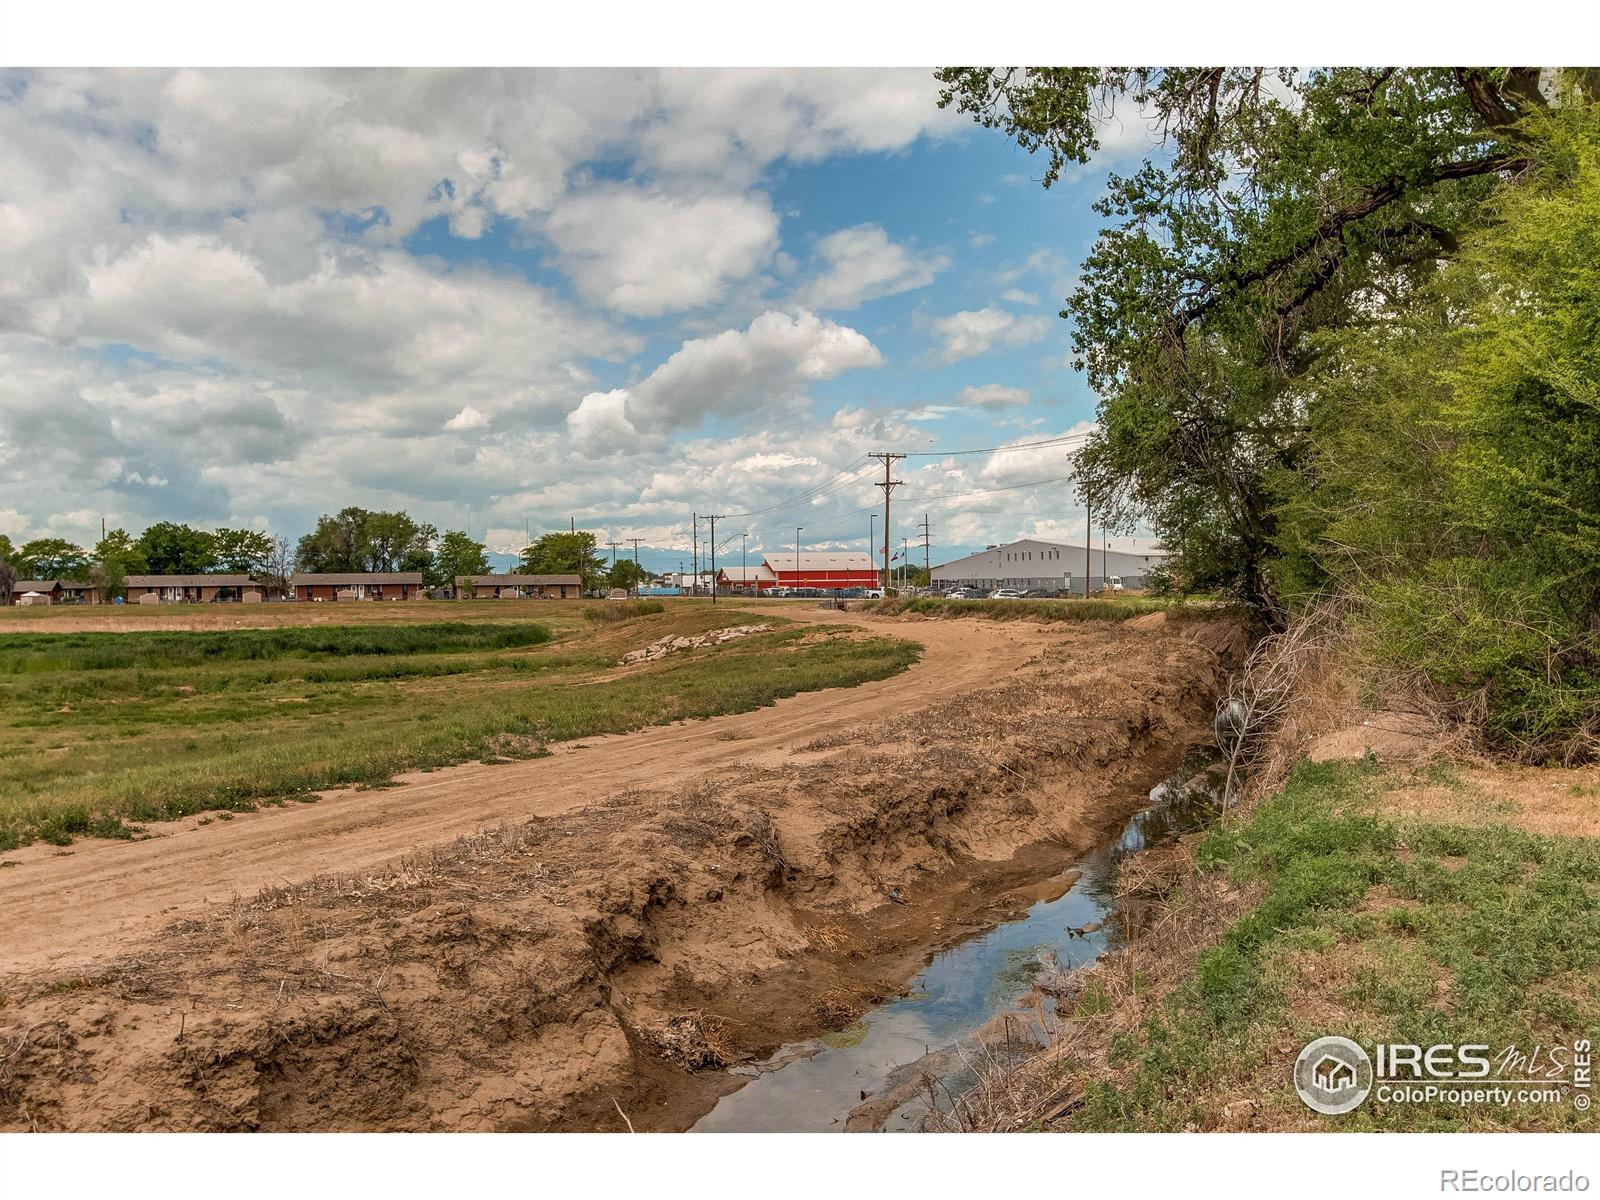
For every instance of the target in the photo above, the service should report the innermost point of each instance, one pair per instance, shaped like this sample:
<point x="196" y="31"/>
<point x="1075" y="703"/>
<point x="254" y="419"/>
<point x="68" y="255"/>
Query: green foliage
<point x="8" y="569"/>
<point x="625" y="573"/>
<point x="173" y="549"/>
<point x="1455" y="483"/>
<point x="51" y="558"/>
<point x="613" y="611"/>
<point x="457" y="555"/>
<point x="116" y="556"/>
<point x="354" y="539"/>
<point x="565" y="553"/>
<point x="242" y="551"/>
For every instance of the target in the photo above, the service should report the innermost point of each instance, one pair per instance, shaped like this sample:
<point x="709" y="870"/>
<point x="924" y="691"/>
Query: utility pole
<point x="712" y="541"/>
<point x="613" y="546"/>
<point x="927" y="553"/>
<point x="797" y="530"/>
<point x="905" y="564"/>
<point x="694" y="559"/>
<point x="744" y="571"/>
<point x="888" y="485"/>
<point x="1088" y="540"/>
<point x="872" y="541"/>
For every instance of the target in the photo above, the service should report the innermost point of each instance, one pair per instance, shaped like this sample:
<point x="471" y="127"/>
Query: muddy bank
<point x="599" y="965"/>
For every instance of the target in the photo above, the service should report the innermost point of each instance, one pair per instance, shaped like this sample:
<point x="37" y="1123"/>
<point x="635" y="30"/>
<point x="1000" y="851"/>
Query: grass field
<point x="101" y="730"/>
<point x="1381" y="928"/>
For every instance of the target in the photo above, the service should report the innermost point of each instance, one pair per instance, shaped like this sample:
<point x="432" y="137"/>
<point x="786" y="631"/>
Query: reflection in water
<point x="812" y="1086"/>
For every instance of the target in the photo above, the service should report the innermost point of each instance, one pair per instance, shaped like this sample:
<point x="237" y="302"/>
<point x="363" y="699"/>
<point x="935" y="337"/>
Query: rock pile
<point x="672" y="644"/>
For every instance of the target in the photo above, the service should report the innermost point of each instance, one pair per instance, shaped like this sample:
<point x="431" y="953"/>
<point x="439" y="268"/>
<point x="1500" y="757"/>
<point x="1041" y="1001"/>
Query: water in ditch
<point x="982" y="996"/>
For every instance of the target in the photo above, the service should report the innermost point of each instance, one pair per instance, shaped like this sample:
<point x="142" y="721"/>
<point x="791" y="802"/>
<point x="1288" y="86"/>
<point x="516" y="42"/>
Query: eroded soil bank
<point x="593" y="968"/>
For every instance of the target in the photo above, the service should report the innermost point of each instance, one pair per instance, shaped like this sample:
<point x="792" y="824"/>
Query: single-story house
<point x="79" y="591"/>
<point x="357" y="585"/>
<point x="521" y="587"/>
<point x="190" y="589"/>
<point x="36" y="591"/>
<point x="1032" y="564"/>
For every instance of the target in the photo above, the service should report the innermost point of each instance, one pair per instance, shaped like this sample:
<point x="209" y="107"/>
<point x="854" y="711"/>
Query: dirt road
<point x="68" y="908"/>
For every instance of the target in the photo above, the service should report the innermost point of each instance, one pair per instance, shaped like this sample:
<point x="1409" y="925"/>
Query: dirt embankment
<point x="560" y="972"/>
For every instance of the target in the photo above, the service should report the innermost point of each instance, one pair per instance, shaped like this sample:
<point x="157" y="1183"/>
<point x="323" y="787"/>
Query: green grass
<point x="1112" y="609"/>
<point x="1407" y="931"/>
<point x="92" y="749"/>
<point x="622" y="610"/>
<point x="41" y="653"/>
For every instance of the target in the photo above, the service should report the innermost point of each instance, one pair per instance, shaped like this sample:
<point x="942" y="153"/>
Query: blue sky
<point x="532" y="296"/>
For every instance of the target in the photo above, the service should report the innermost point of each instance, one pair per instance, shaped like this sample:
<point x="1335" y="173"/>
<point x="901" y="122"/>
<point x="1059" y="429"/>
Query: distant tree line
<point x="351" y="540"/>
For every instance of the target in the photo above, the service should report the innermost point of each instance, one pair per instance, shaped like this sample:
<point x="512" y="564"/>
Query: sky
<point x="510" y="301"/>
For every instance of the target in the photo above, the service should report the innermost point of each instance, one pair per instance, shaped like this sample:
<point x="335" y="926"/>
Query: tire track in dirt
<point x="67" y="909"/>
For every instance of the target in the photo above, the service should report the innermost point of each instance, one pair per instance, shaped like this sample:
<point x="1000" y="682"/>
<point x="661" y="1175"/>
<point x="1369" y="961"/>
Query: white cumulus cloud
<point x="764" y="366"/>
<point x="994" y="396"/>
<point x="976" y="331"/>
<point x="646" y="252"/>
<point x="861" y="264"/>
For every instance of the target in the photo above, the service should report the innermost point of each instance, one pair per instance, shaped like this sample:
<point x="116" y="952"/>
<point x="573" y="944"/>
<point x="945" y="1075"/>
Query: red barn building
<point x="820" y="569"/>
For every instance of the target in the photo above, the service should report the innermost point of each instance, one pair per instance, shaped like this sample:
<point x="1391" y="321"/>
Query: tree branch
<point x="1379" y="196"/>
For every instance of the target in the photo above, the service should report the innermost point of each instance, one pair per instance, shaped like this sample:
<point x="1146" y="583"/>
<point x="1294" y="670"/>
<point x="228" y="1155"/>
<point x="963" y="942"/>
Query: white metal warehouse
<point x="1053" y="566"/>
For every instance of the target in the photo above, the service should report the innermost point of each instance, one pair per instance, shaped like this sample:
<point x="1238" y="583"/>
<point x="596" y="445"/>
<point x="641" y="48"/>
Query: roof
<point x="1136" y="546"/>
<point x="340" y="578"/>
<point x="35" y="585"/>
<point x="526" y="580"/>
<point x="746" y="574"/>
<point x="820" y="561"/>
<point x="151" y="581"/>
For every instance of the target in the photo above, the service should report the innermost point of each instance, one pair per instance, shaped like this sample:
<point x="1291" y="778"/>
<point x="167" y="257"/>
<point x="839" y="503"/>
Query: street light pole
<point x="872" y="543"/>
<point x="797" y="530"/>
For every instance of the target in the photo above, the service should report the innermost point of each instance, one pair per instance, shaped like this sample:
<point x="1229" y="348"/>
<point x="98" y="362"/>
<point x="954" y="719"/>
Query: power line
<point x="983" y="491"/>
<point x="1058" y="441"/>
<point x="815" y="491"/>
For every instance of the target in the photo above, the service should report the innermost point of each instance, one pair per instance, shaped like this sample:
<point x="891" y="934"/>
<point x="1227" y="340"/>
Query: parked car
<point x="872" y="593"/>
<point x="1006" y="594"/>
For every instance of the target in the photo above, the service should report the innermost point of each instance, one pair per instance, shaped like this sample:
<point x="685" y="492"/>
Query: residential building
<point x="79" y="591"/>
<point x="1032" y="564"/>
<point x="190" y="589"/>
<point x="357" y="585"/>
<point x="521" y="587"/>
<point x="36" y="591"/>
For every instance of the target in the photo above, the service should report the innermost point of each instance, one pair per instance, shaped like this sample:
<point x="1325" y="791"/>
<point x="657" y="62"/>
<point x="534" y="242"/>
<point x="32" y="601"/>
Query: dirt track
<point x="66" y="909"/>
